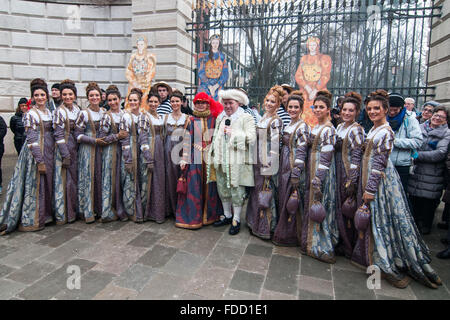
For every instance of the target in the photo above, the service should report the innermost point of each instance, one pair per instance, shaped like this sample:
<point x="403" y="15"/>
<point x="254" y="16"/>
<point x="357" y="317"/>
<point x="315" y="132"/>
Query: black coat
<point x="3" y="129"/>
<point x="17" y="127"/>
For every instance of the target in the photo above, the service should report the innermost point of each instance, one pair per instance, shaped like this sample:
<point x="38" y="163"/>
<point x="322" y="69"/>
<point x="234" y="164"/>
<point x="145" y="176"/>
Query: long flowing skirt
<point x="262" y="223"/>
<point x="112" y="198"/>
<point x="201" y="205"/>
<point x="173" y="172"/>
<point x="287" y="231"/>
<point x="132" y="190"/>
<point x="89" y="182"/>
<point x="66" y="185"/>
<point x="28" y="197"/>
<point x="392" y="241"/>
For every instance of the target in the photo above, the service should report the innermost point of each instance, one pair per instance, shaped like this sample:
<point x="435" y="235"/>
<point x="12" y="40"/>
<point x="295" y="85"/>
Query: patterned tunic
<point x="319" y="240"/>
<point x="28" y="198"/>
<point x="293" y="160"/>
<point x="66" y="179"/>
<point x="263" y="222"/>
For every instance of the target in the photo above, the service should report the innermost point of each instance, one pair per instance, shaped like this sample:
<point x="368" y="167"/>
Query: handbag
<point x="362" y="217"/>
<point x="349" y="207"/>
<point x="317" y="212"/>
<point x="265" y="196"/>
<point x="182" y="184"/>
<point x="293" y="202"/>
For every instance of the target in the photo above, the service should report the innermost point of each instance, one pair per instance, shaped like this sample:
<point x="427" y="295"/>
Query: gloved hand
<point x="101" y="142"/>
<point x="122" y="134"/>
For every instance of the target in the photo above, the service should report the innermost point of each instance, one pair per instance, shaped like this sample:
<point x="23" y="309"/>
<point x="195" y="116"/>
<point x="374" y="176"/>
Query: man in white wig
<point x="234" y="133"/>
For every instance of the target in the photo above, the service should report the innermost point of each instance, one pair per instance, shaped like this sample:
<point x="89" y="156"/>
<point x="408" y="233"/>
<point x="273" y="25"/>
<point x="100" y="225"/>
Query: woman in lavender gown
<point x="175" y="125"/>
<point x="390" y="239"/>
<point x="348" y="154"/>
<point x="112" y="195"/>
<point x="131" y="163"/>
<point x="27" y="203"/>
<point x="66" y="158"/>
<point x="292" y="175"/>
<point x="153" y="171"/>
<point x="320" y="236"/>
<point x="262" y="221"/>
<point x="87" y="132"/>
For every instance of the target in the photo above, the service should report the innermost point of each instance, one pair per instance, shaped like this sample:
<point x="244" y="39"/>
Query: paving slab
<point x="91" y="284"/>
<point x="231" y="294"/>
<point x="254" y="264"/>
<point x="283" y="275"/>
<point x="145" y="239"/>
<point x="209" y="282"/>
<point x="10" y="288"/>
<point x="183" y="263"/>
<point x="273" y="295"/>
<point x="158" y="256"/>
<point x="258" y="250"/>
<point x="135" y="278"/>
<point x="5" y="270"/>
<point x="31" y="272"/>
<point x="225" y="257"/>
<point x="55" y="282"/>
<point x="314" y="268"/>
<point x="316" y="285"/>
<point x="247" y="282"/>
<point x="5" y="250"/>
<point x="60" y="237"/>
<point x="24" y="255"/>
<point x="67" y="251"/>
<point x="349" y="285"/>
<point x="112" y="292"/>
<point x="163" y="286"/>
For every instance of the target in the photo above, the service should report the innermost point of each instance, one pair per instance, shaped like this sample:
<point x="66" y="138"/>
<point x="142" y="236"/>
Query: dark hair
<point x="55" y="86"/>
<point x="93" y="86"/>
<point x="379" y="95"/>
<point x="136" y="91"/>
<point x="296" y="95"/>
<point x="177" y="94"/>
<point x="153" y="94"/>
<point x="325" y="96"/>
<point x="353" y="97"/>
<point x="68" y="84"/>
<point x="112" y="89"/>
<point x="36" y="84"/>
<point x="211" y="53"/>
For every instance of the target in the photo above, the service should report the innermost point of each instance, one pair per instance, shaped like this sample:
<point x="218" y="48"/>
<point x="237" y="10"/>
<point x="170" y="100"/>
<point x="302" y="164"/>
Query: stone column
<point x="439" y="67"/>
<point x="164" y="24"/>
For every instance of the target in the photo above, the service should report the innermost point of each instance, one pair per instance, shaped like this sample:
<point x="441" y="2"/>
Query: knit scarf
<point x="396" y="121"/>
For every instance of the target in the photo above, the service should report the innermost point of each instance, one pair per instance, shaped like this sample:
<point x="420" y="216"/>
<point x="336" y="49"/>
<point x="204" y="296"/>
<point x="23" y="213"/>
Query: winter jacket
<point x="428" y="179"/>
<point x="3" y="129"/>
<point x="407" y="140"/>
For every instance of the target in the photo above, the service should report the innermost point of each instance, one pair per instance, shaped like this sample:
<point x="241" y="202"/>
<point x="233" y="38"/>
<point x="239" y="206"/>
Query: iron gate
<point x="372" y="44"/>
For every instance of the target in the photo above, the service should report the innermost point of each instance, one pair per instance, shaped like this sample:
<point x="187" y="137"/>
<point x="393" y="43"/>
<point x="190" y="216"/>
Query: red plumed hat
<point x="202" y="96"/>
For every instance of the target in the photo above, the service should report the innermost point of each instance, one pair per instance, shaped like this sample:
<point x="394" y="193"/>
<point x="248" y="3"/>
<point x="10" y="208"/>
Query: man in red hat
<point x="201" y="204"/>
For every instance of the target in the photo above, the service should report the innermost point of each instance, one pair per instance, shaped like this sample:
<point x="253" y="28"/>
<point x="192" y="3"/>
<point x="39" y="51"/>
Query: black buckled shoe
<point x="234" y="229"/>
<point x="223" y="221"/>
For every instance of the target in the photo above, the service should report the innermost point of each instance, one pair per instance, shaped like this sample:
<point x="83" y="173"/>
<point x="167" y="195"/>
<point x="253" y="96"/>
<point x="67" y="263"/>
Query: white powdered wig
<point x="234" y="94"/>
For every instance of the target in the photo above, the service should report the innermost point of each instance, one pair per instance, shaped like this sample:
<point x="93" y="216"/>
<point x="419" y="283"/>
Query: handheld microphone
<point x="227" y="124"/>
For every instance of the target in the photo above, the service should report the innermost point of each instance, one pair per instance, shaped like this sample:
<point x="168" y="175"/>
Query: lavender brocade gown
<point x="173" y="170"/>
<point x="87" y="129"/>
<point x="65" y="179"/>
<point x="294" y="153"/>
<point x="28" y="198"/>
<point x="112" y="194"/>
<point x="153" y="187"/>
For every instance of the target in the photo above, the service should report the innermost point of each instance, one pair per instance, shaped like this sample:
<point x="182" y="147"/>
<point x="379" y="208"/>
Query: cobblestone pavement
<point x="124" y="260"/>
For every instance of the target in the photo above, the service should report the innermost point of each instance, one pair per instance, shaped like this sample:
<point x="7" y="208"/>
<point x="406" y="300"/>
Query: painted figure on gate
<point x="312" y="75"/>
<point x="212" y="69"/>
<point x="141" y="68"/>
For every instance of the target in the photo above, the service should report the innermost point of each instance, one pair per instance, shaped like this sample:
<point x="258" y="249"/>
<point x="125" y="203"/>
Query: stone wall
<point x="42" y="39"/>
<point x="439" y="67"/>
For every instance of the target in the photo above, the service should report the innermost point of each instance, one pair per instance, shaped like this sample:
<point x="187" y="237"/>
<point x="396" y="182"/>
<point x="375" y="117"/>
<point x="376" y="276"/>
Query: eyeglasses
<point x="427" y="110"/>
<point x="439" y="116"/>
